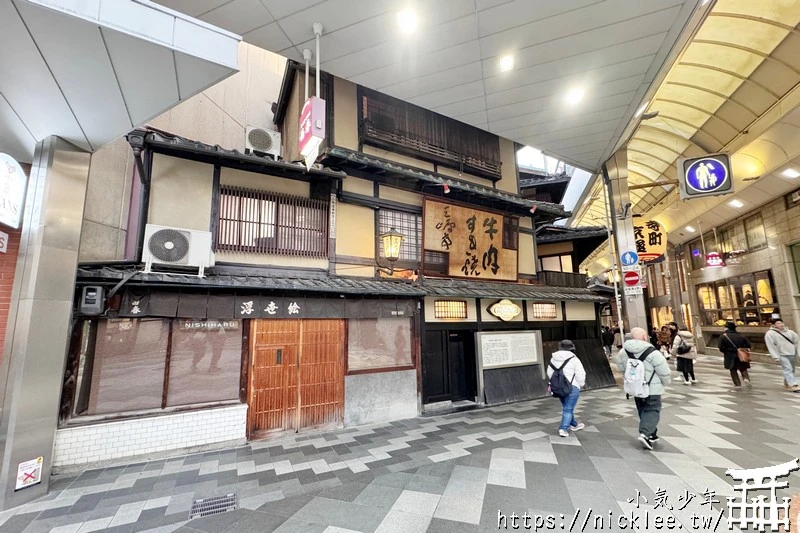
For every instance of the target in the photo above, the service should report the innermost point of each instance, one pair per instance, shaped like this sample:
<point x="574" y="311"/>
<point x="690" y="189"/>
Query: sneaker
<point x="653" y="438"/>
<point x="563" y="433"/>
<point x="687" y="382"/>
<point x="795" y="388"/>
<point x="747" y="383"/>
<point x="645" y="442"/>
<point x="787" y="387"/>
<point x="579" y="427"/>
<point x="694" y="382"/>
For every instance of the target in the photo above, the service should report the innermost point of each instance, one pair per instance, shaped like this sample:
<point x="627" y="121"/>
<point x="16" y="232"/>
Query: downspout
<point x="136" y="140"/>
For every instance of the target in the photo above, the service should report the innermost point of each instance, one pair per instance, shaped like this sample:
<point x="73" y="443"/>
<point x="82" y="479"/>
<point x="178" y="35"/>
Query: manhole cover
<point x="212" y="506"/>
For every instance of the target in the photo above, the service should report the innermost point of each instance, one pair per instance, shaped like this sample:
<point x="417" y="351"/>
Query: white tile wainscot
<point x="160" y="435"/>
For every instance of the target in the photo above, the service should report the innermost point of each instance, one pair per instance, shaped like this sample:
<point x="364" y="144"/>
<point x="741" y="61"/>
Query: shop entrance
<point x="296" y="375"/>
<point x="448" y="366"/>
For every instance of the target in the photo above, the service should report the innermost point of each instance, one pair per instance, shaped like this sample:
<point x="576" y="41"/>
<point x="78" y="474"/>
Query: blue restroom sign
<point x="705" y="176"/>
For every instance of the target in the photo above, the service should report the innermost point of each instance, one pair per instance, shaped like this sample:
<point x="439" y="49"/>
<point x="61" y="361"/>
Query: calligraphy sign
<point x="651" y="240"/>
<point x="473" y="240"/>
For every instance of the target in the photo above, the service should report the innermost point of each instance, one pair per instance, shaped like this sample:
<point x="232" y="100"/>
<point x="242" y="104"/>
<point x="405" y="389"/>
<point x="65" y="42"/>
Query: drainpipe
<point x="136" y="140"/>
<point x="317" y="33"/>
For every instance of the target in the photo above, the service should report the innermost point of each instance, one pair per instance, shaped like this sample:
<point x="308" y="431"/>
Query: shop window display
<point x="747" y="300"/>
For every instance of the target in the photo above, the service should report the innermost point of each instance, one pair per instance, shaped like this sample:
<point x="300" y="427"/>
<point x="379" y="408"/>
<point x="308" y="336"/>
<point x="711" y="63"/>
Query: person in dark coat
<point x="729" y="343"/>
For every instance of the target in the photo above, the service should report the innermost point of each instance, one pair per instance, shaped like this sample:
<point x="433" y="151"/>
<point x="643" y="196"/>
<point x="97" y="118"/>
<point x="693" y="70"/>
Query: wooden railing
<point x="562" y="279"/>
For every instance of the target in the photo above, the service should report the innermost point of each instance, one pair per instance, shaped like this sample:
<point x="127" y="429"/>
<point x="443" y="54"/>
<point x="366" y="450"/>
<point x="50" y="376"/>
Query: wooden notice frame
<point x="507" y="341"/>
<point x="458" y="234"/>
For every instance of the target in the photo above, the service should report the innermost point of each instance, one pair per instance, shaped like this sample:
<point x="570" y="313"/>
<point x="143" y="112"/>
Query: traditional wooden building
<point x="252" y="294"/>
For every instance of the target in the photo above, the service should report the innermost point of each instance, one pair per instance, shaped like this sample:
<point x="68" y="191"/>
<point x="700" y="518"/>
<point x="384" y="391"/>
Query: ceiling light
<point x="791" y="173"/>
<point x="736" y="203"/>
<point x="641" y="109"/>
<point x="506" y="63"/>
<point x="407" y="20"/>
<point x="574" y="96"/>
<point x="690" y="229"/>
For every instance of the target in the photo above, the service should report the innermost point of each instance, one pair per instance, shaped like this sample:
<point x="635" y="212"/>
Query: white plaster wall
<point x="580" y="311"/>
<point x="380" y="397"/>
<point x="154" y="435"/>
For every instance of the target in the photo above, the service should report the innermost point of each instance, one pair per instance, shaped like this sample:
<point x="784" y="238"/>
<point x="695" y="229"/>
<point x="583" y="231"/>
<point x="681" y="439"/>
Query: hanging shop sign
<point x="793" y="199"/>
<point x="651" y="240"/>
<point x="709" y="175"/>
<point x="312" y="129"/>
<point x="505" y="310"/>
<point x="12" y="191"/>
<point x="714" y="259"/>
<point x="474" y="241"/>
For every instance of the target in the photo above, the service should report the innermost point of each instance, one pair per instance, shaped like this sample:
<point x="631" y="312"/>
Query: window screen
<point x="376" y="343"/>
<point x="205" y="364"/>
<point x="129" y="361"/>
<point x="543" y="310"/>
<point x="410" y="225"/>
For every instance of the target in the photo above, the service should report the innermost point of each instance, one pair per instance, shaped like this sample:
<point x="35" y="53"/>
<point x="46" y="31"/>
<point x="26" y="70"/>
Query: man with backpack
<point x="567" y="377"/>
<point x="646" y="374"/>
<point x="782" y="344"/>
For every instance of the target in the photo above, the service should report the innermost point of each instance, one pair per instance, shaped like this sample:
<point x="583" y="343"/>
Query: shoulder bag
<point x="742" y="353"/>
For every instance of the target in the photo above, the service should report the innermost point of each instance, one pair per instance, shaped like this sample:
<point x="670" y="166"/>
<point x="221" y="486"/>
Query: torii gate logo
<point x="760" y="513"/>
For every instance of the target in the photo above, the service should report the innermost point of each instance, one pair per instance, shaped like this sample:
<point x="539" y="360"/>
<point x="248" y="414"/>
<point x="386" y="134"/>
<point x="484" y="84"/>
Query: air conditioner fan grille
<point x="168" y="245"/>
<point x="260" y="140"/>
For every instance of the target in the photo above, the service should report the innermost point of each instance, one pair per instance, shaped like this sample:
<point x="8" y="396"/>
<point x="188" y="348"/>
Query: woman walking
<point x="685" y="351"/>
<point x="729" y="345"/>
<point x="568" y="363"/>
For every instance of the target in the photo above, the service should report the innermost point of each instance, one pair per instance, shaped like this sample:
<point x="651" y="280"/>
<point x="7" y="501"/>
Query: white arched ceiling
<point x="742" y="61"/>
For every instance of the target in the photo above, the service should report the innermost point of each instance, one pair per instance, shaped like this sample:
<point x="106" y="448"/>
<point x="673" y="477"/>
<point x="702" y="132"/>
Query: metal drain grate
<point x="212" y="506"/>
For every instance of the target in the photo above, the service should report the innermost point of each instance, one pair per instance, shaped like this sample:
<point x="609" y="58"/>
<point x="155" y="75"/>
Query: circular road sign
<point x="631" y="278"/>
<point x="707" y="175"/>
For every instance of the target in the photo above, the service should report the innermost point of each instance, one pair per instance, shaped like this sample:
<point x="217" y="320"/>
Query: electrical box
<point x="93" y="300"/>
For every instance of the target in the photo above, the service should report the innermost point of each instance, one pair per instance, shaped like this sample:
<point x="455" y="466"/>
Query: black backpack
<point x="559" y="386"/>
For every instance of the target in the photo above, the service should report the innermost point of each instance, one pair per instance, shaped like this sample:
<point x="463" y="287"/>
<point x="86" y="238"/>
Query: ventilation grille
<point x="168" y="245"/>
<point x="260" y="140"/>
<point x="212" y="506"/>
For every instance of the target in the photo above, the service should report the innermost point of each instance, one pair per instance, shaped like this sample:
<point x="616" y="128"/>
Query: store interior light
<point x="791" y="173"/>
<point x="690" y="229"/>
<point x="736" y="203"/>
<point x="407" y="20"/>
<point x="574" y="96"/>
<point x="506" y="63"/>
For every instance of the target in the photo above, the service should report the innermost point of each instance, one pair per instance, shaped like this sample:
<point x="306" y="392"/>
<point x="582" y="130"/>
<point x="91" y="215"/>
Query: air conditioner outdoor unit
<point x="177" y="247"/>
<point x="263" y="142"/>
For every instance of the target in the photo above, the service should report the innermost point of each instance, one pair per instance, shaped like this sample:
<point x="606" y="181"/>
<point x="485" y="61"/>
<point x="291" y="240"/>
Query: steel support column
<point x="615" y="172"/>
<point x="38" y="333"/>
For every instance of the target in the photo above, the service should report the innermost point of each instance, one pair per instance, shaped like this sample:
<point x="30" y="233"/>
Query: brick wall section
<point x="8" y="264"/>
<point x="157" y="435"/>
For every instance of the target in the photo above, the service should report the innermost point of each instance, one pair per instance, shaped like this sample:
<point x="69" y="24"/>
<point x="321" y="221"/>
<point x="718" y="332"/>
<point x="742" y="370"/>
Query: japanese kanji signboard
<point x="651" y="240"/>
<point x="473" y="239"/>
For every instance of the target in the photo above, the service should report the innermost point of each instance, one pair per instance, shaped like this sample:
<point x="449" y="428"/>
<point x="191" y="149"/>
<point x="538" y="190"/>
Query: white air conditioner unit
<point x="263" y="142"/>
<point x="177" y="247"/>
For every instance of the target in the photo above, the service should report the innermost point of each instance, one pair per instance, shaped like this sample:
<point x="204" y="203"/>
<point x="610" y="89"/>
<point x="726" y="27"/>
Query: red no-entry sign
<point x="631" y="278"/>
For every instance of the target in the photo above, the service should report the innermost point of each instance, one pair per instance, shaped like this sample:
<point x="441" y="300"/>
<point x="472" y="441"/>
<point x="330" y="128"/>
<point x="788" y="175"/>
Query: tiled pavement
<point x="454" y="472"/>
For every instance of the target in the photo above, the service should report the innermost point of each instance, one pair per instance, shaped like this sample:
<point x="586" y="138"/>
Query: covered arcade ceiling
<point x="611" y="50"/>
<point x="733" y="89"/>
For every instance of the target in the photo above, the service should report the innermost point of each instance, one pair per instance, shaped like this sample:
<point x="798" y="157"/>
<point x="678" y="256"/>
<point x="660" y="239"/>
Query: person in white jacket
<point x="783" y="344"/>
<point x="575" y="373"/>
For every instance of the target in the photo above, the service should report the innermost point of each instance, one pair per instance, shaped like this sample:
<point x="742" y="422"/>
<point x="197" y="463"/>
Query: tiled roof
<point x="321" y="284"/>
<point x="403" y="171"/>
<point x="516" y="291"/>
<point x="559" y="233"/>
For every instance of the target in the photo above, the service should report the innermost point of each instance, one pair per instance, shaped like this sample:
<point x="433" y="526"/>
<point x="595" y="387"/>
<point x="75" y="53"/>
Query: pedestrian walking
<point x="617" y="331"/>
<point x="570" y="378"/>
<point x="665" y="341"/>
<point x="646" y="376"/>
<point x="685" y="351"/>
<point x="654" y="337"/>
<point x="729" y="344"/>
<point x="783" y="345"/>
<point x="607" y="337"/>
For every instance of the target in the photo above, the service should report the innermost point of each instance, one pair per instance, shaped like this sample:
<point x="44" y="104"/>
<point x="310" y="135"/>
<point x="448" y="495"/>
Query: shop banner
<point x="651" y="240"/>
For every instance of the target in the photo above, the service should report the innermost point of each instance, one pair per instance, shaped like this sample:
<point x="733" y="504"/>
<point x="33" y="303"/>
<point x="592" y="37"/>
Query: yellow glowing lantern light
<point x="392" y="240"/>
